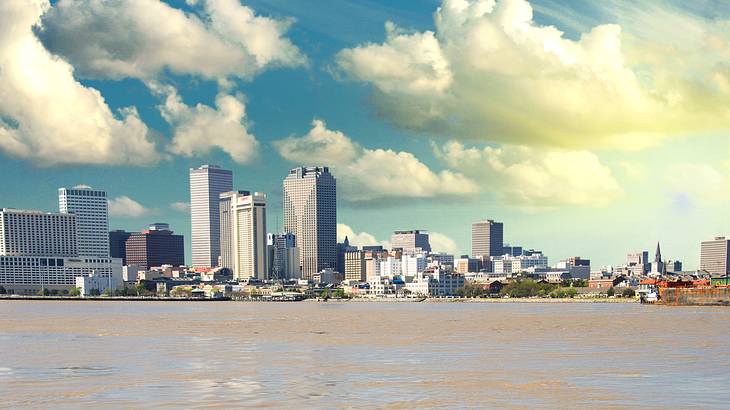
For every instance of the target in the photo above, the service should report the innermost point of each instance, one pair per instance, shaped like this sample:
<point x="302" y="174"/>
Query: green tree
<point x="611" y="291"/>
<point x="75" y="292"/>
<point x="325" y="294"/>
<point x="628" y="293"/>
<point x="579" y="283"/>
<point x="44" y="292"/>
<point x="108" y="292"/>
<point x="3" y="291"/>
<point x="94" y="292"/>
<point x="527" y="288"/>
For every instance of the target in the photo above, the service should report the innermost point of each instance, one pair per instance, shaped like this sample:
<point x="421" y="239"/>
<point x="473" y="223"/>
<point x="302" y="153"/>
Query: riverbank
<point x="319" y="300"/>
<point x="482" y="300"/>
<point x="112" y="299"/>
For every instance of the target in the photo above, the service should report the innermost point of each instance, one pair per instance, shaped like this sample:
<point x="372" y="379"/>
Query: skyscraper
<point x="410" y="240"/>
<point x="118" y="244"/>
<point x="155" y="246"/>
<point x="487" y="238"/>
<point x="206" y="185"/>
<point x="310" y="213"/>
<point x="715" y="256"/>
<point x="226" y="226"/>
<point x="92" y="218"/>
<point x="243" y="234"/>
<point x="283" y="256"/>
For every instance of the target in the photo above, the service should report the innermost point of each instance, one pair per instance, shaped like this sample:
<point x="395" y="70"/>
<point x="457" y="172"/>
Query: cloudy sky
<point x="588" y="129"/>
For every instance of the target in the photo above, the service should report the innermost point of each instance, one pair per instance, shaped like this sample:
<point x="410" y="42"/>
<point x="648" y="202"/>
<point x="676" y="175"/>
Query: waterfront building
<point x="413" y="264"/>
<point x="715" y="256"/>
<point x="465" y="264"/>
<point x="637" y="263"/>
<point x="155" y="246"/>
<point x="92" y="218"/>
<point x="206" y="184"/>
<point x="36" y="233"/>
<point x="391" y="266"/>
<point x="355" y="266"/>
<point x="435" y="282"/>
<point x="247" y="232"/>
<point x="577" y="267"/>
<point x="343" y="248"/>
<point x="39" y="250"/>
<point x="506" y="265"/>
<point x="442" y="258"/>
<point x="487" y="239"/>
<point x="283" y="256"/>
<point x="372" y="263"/>
<point x="508" y="249"/>
<point x="310" y="213"/>
<point x="118" y="244"/>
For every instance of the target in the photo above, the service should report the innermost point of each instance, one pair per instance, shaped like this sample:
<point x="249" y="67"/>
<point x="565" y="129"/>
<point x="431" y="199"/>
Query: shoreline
<point x="318" y="300"/>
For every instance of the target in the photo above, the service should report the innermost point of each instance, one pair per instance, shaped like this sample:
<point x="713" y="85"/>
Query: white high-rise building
<point x="247" y="233"/>
<point x="207" y="183"/>
<point x="35" y="233"/>
<point x="310" y="213"/>
<point x="226" y="224"/>
<point x="413" y="264"/>
<point x="92" y="218"/>
<point x="715" y="256"/>
<point x="283" y="256"/>
<point x="39" y="250"/>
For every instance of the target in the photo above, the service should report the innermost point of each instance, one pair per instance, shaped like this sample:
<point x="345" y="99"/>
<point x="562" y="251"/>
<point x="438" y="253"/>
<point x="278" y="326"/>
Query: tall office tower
<point x="715" y="256"/>
<point x="118" y="244"/>
<point x="92" y="218"/>
<point x="410" y="240"/>
<point x="487" y="238"/>
<point x="283" y="256"/>
<point x="310" y="213"/>
<point x="207" y="183"/>
<point x="156" y="246"/>
<point x="226" y="224"/>
<point x="247" y="233"/>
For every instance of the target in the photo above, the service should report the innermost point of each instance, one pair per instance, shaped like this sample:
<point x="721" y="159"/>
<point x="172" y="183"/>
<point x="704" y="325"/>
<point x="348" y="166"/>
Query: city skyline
<point x="597" y="189"/>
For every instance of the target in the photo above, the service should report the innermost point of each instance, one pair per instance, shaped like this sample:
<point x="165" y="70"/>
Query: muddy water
<point x="362" y="355"/>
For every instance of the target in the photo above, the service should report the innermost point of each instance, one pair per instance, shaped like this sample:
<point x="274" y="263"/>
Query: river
<point x="362" y="355"/>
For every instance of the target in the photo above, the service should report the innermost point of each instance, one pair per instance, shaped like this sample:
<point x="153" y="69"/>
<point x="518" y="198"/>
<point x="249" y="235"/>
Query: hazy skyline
<point x="589" y="130"/>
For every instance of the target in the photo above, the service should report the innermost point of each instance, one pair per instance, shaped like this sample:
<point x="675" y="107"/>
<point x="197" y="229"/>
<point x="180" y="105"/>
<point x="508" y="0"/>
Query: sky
<point x="590" y="130"/>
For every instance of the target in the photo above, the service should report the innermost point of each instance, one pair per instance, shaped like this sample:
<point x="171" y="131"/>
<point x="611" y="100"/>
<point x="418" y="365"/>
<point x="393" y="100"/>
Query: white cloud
<point x="358" y="239"/>
<point x="183" y="207"/>
<point x="126" y="207"/>
<point x="700" y="183"/>
<point x="535" y="177"/>
<point x="46" y="115"/>
<point x="320" y="145"/>
<point x="142" y="38"/>
<point x="489" y="72"/>
<point x="371" y="174"/>
<point x="199" y="129"/>
<point x="442" y="243"/>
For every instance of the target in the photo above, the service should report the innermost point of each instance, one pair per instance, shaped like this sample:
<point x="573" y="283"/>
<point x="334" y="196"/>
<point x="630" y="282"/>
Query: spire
<point x="658" y="254"/>
<point x="347" y="241"/>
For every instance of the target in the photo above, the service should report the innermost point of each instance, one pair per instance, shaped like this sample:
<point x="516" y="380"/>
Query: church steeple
<point x="658" y="254"/>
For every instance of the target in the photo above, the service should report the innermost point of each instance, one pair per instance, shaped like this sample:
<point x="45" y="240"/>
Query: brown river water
<point x="67" y="354"/>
